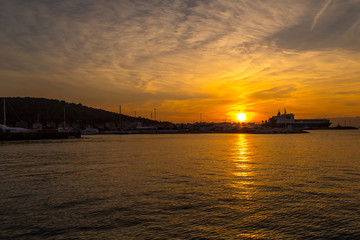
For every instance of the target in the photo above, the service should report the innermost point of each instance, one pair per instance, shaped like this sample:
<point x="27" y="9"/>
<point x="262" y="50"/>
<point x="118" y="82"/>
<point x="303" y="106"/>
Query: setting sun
<point x="241" y="117"/>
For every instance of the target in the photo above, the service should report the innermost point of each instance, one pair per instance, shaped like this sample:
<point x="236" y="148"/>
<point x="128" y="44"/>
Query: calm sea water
<point x="191" y="186"/>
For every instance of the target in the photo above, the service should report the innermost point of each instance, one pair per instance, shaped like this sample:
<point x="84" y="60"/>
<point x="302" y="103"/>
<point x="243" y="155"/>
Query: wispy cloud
<point x="320" y="13"/>
<point x="176" y="54"/>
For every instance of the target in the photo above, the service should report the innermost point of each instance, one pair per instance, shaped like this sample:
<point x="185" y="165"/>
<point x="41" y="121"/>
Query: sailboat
<point x="15" y="133"/>
<point x="6" y="129"/>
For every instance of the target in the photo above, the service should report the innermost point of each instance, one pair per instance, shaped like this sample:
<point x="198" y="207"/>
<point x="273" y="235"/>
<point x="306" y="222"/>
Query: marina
<point x="180" y="120"/>
<point x="20" y="133"/>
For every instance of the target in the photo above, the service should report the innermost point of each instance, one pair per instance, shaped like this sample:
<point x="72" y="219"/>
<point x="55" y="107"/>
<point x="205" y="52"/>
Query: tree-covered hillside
<point x="30" y="110"/>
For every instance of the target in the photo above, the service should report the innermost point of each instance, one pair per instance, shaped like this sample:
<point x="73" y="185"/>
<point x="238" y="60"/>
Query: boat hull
<point x="38" y="135"/>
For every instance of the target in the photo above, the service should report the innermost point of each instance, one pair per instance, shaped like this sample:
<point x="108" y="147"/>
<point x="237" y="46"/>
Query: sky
<point x="186" y="58"/>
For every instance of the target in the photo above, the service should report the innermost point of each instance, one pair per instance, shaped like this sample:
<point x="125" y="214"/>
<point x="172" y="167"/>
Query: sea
<point x="182" y="186"/>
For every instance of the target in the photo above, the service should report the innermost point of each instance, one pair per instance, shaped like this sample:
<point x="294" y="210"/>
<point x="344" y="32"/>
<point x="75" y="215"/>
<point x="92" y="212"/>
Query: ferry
<point x="287" y="120"/>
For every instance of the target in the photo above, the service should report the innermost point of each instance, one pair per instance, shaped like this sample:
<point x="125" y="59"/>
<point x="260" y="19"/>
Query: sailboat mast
<point x="64" y="119"/>
<point x="4" y="113"/>
<point x="120" y="117"/>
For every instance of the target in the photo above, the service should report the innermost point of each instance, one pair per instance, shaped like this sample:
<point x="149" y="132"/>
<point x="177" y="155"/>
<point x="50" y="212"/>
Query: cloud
<point x="337" y="27"/>
<point x="272" y="93"/>
<point x="347" y="93"/>
<point x="199" y="54"/>
<point x="319" y="13"/>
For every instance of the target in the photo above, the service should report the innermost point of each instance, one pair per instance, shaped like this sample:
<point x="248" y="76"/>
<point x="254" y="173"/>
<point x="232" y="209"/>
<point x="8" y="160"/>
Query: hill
<point x="50" y="112"/>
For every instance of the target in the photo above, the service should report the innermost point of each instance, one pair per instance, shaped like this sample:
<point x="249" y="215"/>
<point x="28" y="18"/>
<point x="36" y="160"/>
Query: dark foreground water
<point x="205" y="186"/>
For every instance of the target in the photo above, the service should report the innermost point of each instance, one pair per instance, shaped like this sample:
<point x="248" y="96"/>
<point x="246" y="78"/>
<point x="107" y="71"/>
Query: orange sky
<point x="186" y="57"/>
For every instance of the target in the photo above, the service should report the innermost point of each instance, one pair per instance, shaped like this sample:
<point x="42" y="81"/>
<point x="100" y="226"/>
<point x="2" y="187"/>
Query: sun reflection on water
<point x="243" y="171"/>
<point x="242" y="155"/>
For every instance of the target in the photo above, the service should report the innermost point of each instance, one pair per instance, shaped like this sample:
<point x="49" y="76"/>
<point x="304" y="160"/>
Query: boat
<point x="6" y="129"/>
<point x="90" y="131"/>
<point x="339" y="127"/>
<point x="34" y="134"/>
<point x="287" y="120"/>
<point x="15" y="133"/>
<point x="10" y="133"/>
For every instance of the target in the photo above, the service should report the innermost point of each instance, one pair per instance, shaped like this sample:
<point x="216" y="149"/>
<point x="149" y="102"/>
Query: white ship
<point x="287" y="120"/>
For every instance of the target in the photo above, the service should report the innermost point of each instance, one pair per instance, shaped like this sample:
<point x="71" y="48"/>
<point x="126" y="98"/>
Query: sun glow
<point x="241" y="117"/>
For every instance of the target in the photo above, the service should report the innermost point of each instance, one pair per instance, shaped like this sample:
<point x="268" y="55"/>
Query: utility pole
<point x="155" y="114"/>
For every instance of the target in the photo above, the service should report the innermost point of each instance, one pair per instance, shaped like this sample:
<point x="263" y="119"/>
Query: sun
<point x="241" y="117"/>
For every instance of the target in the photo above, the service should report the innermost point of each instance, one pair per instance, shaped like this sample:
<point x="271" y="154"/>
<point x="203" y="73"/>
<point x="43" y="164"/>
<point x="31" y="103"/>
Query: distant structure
<point x="287" y="120"/>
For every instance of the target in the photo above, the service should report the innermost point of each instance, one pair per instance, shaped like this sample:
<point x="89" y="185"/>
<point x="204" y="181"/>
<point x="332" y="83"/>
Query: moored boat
<point x="8" y="134"/>
<point x="90" y="131"/>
